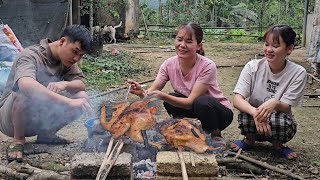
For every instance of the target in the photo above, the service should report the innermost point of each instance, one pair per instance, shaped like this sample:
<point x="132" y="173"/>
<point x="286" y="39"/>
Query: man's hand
<point x="82" y="105"/>
<point x="57" y="87"/>
<point x="136" y="88"/>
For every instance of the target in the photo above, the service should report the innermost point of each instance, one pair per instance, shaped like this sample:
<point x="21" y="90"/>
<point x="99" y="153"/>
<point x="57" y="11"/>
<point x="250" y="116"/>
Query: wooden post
<point x="70" y="12"/>
<point x="145" y="25"/>
<point x="76" y="12"/>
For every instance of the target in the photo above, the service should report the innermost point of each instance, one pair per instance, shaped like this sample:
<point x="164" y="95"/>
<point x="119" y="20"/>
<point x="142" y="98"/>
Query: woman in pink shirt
<point x="193" y="78"/>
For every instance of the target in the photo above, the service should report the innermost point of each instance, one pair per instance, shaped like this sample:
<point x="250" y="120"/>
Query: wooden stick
<point x="11" y="173"/>
<point x="118" y="89"/>
<point x="224" y="161"/>
<point x="267" y="166"/>
<point x="253" y="174"/>
<point x="313" y="77"/>
<point x="112" y="158"/>
<point x="145" y="25"/>
<point x="193" y="163"/>
<point x="238" y="153"/>
<point x="106" y="156"/>
<point x="183" y="165"/>
<point x="127" y="94"/>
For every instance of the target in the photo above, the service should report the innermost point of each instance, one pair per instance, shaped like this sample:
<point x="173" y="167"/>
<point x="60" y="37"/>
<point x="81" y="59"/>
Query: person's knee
<point x="20" y="102"/>
<point x="168" y="107"/>
<point x="201" y="103"/>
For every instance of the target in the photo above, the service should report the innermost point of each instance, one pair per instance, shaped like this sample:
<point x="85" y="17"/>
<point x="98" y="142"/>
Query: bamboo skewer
<point x="183" y="165"/>
<point x="192" y="159"/>
<point x="126" y="97"/>
<point x="106" y="156"/>
<point x="112" y="158"/>
<point x="109" y="159"/>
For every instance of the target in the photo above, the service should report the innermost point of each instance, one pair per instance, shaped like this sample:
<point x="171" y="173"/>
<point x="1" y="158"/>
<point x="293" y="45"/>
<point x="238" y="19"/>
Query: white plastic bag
<point x="9" y="44"/>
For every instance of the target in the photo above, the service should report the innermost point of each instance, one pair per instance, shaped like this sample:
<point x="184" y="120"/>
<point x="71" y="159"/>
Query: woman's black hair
<point x="284" y="31"/>
<point x="195" y="29"/>
<point x="78" y="33"/>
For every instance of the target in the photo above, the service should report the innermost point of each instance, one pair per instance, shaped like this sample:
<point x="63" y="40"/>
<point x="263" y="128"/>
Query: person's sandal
<point x="285" y="151"/>
<point x="241" y="144"/>
<point x="14" y="148"/>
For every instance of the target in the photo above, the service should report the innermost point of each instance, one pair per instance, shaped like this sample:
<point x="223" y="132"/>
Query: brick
<point x="86" y="165"/>
<point x="168" y="164"/>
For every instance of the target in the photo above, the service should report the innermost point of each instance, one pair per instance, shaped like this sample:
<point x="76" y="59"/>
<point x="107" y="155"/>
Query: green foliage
<point x="230" y="12"/>
<point x="316" y="163"/>
<point x="109" y="69"/>
<point x="151" y="15"/>
<point x="112" y="6"/>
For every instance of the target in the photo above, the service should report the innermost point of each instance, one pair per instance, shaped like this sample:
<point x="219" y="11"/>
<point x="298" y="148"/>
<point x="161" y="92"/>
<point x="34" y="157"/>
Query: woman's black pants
<point x="212" y="114"/>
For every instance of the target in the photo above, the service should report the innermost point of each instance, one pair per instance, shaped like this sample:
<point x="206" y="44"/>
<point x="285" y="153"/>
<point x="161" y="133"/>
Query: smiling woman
<point x="272" y="84"/>
<point x="194" y="80"/>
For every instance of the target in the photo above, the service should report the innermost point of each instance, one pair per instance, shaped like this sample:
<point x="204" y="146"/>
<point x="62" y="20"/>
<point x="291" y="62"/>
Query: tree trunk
<point x="160" y="11"/>
<point x="169" y="9"/>
<point x="287" y="7"/>
<point x="215" y="16"/>
<point x="212" y="17"/>
<point x="91" y="16"/>
<point x="76" y="9"/>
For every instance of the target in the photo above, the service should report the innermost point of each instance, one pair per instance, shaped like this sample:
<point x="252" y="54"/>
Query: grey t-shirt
<point x="259" y="84"/>
<point x="38" y="63"/>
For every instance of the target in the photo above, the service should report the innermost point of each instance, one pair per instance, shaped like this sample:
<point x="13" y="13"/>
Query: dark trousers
<point x="212" y="114"/>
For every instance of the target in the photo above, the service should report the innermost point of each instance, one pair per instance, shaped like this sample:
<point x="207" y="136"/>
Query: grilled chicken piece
<point x="118" y="109"/>
<point x="138" y="105"/>
<point x="184" y="134"/>
<point x="131" y="118"/>
<point x="140" y="121"/>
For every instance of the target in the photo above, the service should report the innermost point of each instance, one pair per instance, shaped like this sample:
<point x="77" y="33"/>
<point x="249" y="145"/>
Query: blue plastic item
<point x="4" y="73"/>
<point x="89" y="125"/>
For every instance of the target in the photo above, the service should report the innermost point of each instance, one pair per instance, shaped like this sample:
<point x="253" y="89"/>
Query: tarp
<point x="33" y="20"/>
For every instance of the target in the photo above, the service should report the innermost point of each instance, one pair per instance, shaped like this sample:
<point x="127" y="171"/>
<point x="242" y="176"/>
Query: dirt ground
<point x="230" y="58"/>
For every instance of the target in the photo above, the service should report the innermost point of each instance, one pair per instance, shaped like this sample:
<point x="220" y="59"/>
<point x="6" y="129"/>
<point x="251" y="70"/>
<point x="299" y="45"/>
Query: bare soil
<point x="230" y="58"/>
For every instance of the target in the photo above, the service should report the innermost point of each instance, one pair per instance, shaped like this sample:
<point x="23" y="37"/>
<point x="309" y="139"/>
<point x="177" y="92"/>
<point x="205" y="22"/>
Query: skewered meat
<point x="183" y="134"/>
<point x="140" y="121"/>
<point x="118" y="109"/>
<point x="131" y="119"/>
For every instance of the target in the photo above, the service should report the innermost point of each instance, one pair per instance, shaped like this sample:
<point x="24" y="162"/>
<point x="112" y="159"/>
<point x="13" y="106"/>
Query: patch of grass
<point x="316" y="163"/>
<point x="108" y="69"/>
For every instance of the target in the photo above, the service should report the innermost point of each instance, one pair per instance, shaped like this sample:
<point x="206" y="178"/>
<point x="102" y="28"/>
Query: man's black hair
<point x="78" y="33"/>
